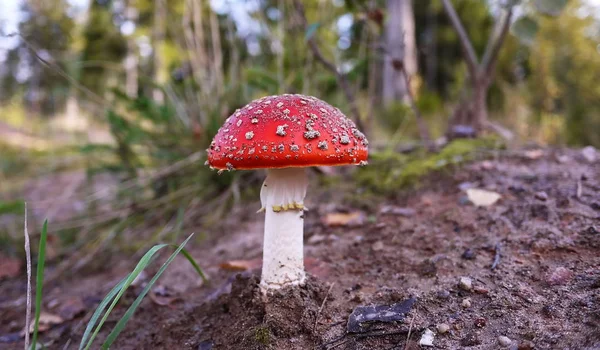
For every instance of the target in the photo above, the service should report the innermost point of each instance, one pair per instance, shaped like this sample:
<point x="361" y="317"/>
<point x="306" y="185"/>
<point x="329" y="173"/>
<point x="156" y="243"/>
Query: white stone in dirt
<point x="377" y="246"/>
<point x="466" y="303"/>
<point x="504" y="340"/>
<point x="482" y="198"/>
<point x="465" y="283"/>
<point x="427" y="338"/>
<point x="589" y="153"/>
<point x="443" y="328"/>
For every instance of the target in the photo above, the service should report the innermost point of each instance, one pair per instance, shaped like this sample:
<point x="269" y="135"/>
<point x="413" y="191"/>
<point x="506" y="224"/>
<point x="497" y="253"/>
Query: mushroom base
<point x="282" y="198"/>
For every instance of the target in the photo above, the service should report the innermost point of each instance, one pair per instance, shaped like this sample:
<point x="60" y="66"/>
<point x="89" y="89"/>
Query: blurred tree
<point x="400" y="45"/>
<point x="47" y="33"/>
<point x="565" y="71"/>
<point x="103" y="44"/>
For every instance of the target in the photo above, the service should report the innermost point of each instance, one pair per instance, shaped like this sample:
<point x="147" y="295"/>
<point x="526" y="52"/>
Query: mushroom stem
<point x="282" y="197"/>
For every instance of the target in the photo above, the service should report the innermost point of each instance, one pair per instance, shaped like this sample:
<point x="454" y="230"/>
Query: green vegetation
<point x="39" y="284"/>
<point x="389" y="170"/>
<point x="113" y="297"/>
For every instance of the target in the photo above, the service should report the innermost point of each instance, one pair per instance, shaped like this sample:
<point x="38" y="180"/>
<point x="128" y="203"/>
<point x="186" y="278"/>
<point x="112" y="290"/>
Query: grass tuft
<point x="39" y="283"/>
<point x="113" y="297"/>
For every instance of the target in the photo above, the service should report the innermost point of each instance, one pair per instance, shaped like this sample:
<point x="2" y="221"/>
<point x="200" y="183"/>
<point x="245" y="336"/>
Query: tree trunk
<point x="158" y="37"/>
<point x="470" y="116"/>
<point x="400" y="45"/>
<point x="131" y="60"/>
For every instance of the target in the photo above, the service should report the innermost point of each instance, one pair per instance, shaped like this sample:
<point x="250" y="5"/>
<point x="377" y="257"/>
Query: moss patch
<point x="391" y="170"/>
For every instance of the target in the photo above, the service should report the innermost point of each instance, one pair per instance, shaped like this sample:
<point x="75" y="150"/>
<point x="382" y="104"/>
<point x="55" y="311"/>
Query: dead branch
<point x="341" y="78"/>
<point x="28" y="259"/>
<point x="465" y="42"/>
<point x="492" y="51"/>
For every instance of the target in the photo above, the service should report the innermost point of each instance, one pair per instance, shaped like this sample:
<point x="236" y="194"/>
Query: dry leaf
<point x="355" y="218"/>
<point x="9" y="267"/>
<point x="241" y="265"/>
<point x="534" y="154"/>
<point x="311" y="265"/>
<point x="47" y="320"/>
<point x="482" y="198"/>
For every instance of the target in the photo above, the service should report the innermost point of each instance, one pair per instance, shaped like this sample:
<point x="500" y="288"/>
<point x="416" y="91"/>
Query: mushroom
<point x="285" y="134"/>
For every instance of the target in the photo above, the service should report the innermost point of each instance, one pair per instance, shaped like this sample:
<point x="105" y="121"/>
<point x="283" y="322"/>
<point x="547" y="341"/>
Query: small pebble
<point x="377" y="246"/>
<point x="468" y="254"/>
<point x="589" y="153"/>
<point x="465" y="283"/>
<point x="471" y="339"/>
<point x="558" y="276"/>
<point x="443" y="294"/>
<point x="541" y="196"/>
<point x="443" y="328"/>
<point x="504" y="341"/>
<point x="466" y="303"/>
<point x="315" y="239"/>
<point x="480" y="322"/>
<point x="526" y="345"/>
<point x="427" y="338"/>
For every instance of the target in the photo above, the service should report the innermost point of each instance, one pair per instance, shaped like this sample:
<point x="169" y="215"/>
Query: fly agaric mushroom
<point x="285" y="134"/>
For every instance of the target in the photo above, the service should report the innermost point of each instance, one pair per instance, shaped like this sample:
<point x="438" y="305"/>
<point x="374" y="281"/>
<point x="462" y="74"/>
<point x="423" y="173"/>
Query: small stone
<point x="559" y="276"/>
<point x="504" y="341"/>
<point x="443" y="328"/>
<point x="471" y="339"/>
<point x="377" y="246"/>
<point x="468" y="254"/>
<point x="315" y="239"/>
<point x="589" y="154"/>
<point x="359" y="297"/>
<point x="526" y="345"/>
<point x="428" y="268"/>
<point x="443" y="294"/>
<point x="427" y="338"/>
<point x="465" y="283"/>
<point x="480" y="322"/>
<point x="541" y="196"/>
<point x="466" y="303"/>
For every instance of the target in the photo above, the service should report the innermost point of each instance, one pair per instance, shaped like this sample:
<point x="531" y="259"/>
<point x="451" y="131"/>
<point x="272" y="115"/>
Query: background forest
<point x="197" y="61"/>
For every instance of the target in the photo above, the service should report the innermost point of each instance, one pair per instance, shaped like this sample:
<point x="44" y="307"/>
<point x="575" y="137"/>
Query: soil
<point x="526" y="268"/>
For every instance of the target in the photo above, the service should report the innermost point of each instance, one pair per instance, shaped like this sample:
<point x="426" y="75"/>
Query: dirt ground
<point x="523" y="273"/>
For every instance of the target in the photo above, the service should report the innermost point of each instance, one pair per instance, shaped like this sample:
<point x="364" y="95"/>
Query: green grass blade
<point x="123" y="321"/>
<point x="144" y="261"/>
<point x="103" y="304"/>
<point x="195" y="265"/>
<point x="39" y="283"/>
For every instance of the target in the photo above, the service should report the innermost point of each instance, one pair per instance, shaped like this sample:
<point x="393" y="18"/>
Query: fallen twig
<point x="28" y="259"/>
<point x="322" y="306"/>
<point x="497" y="255"/>
<point x="412" y="322"/>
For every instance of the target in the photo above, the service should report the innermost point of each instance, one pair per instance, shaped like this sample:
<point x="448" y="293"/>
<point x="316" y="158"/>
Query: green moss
<point x="391" y="170"/>
<point x="262" y="335"/>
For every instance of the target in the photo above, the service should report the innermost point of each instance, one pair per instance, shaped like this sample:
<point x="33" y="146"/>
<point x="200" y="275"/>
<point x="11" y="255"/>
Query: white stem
<point x="282" y="198"/>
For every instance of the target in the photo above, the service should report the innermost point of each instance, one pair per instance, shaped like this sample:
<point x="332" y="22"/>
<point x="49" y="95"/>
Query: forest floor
<point x="523" y="273"/>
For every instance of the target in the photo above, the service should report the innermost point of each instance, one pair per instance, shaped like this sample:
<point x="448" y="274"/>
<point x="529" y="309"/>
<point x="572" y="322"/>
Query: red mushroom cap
<point x="287" y="131"/>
